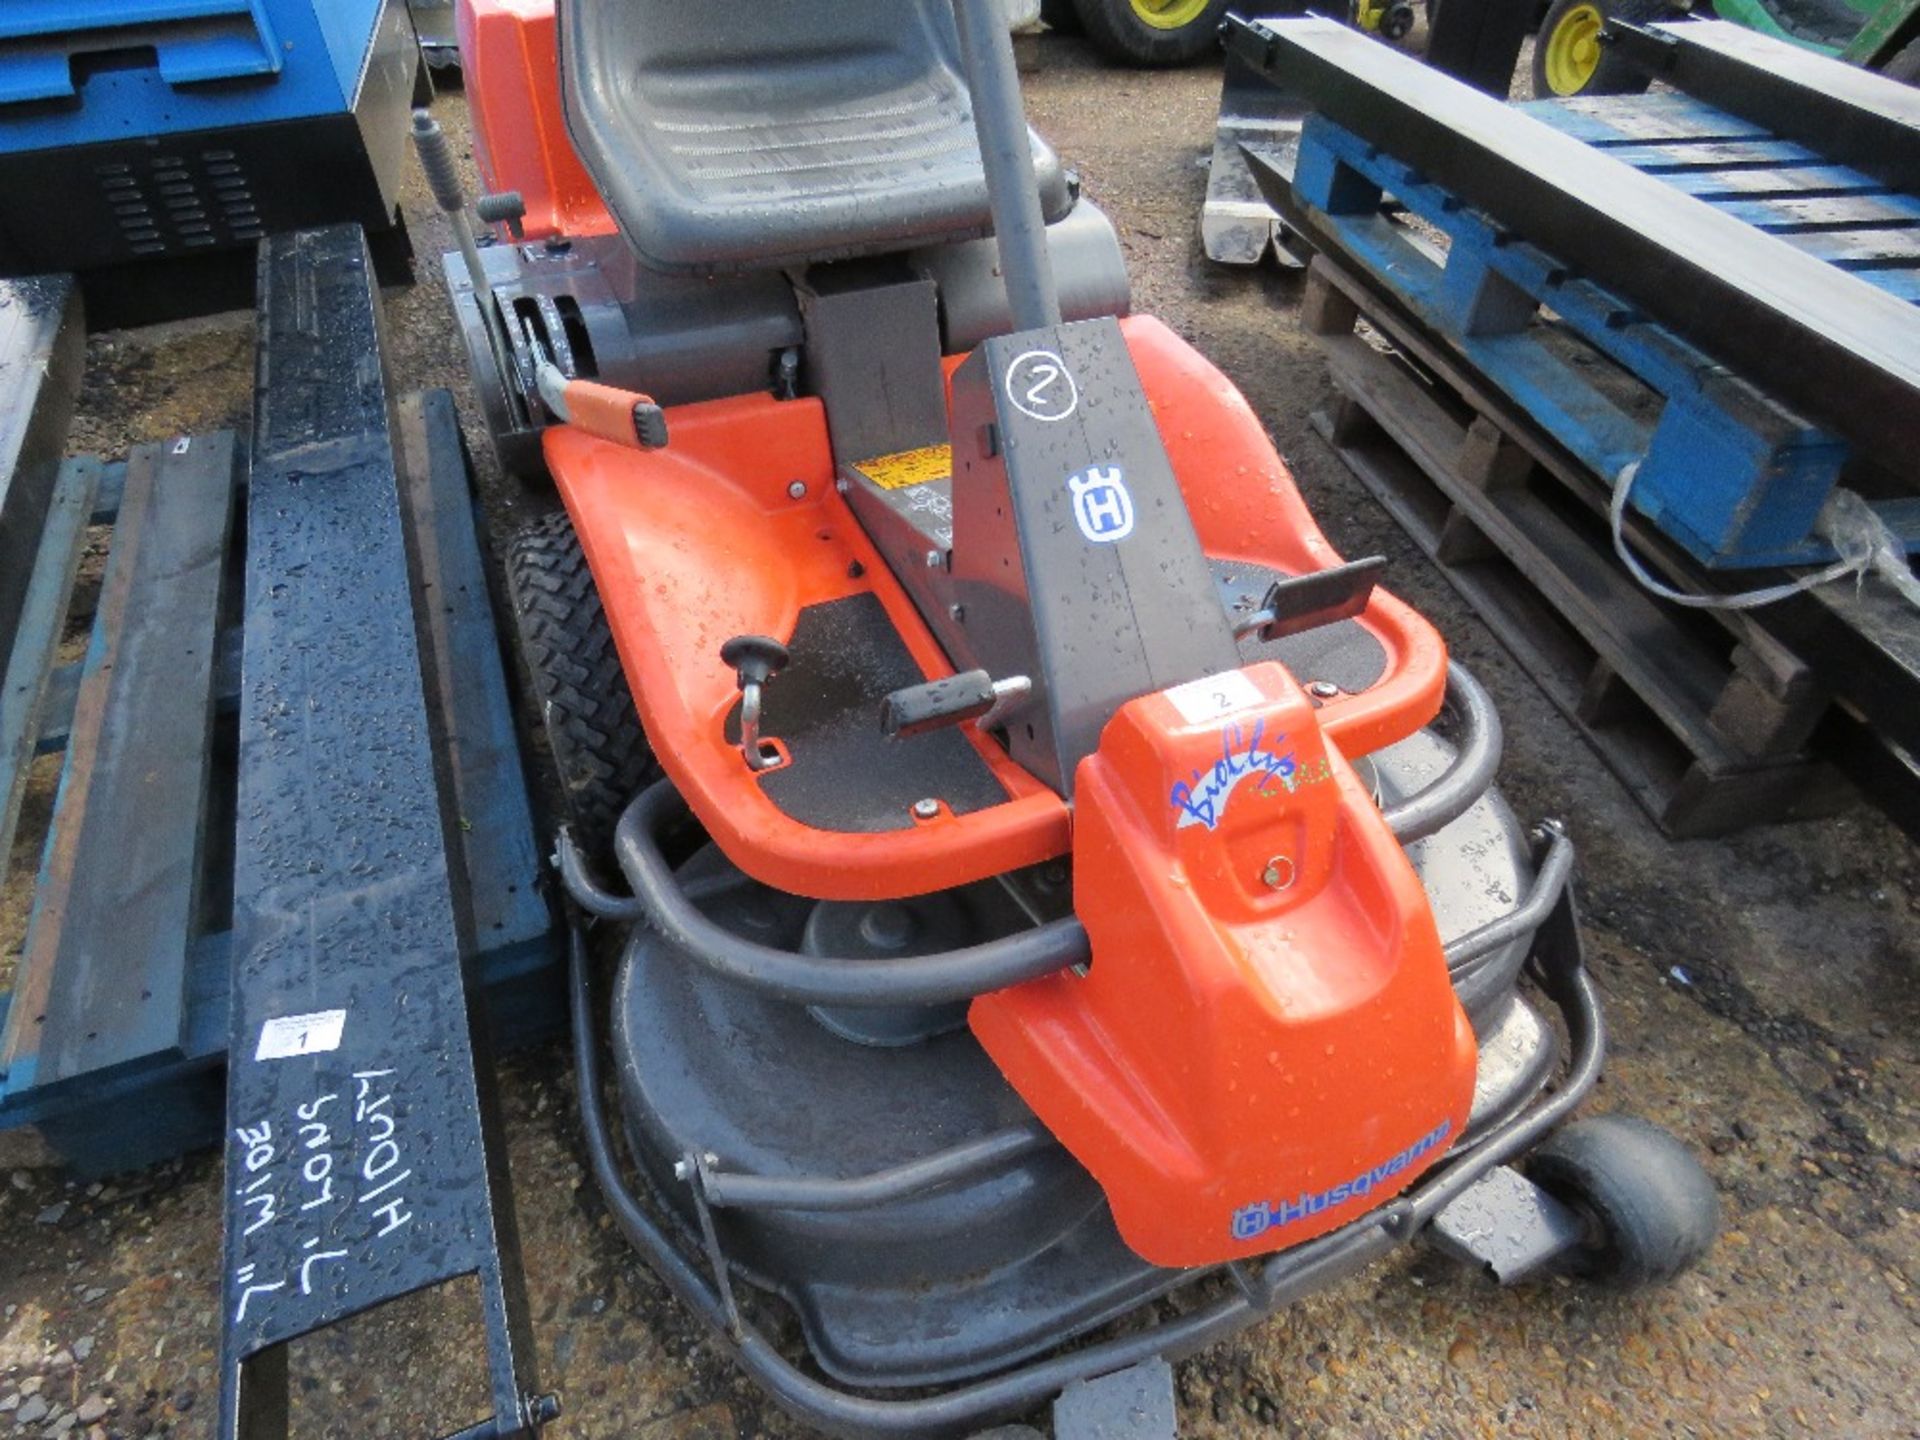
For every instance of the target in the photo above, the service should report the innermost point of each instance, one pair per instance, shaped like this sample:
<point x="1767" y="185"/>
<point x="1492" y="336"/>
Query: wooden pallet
<point x="1705" y="721"/>
<point x="121" y="992"/>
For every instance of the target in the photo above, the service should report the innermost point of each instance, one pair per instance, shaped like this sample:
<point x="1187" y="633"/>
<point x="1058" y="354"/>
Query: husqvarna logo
<point x="1101" y="505"/>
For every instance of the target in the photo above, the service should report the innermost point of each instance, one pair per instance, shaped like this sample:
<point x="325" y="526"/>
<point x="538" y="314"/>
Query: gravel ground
<point x="1760" y="991"/>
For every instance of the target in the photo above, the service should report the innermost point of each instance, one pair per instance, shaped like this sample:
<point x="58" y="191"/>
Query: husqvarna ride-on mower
<point x="1049" y="901"/>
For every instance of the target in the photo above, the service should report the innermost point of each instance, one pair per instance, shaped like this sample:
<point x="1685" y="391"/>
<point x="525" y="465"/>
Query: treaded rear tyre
<point x="586" y="706"/>
<point x="1119" y="32"/>
<point x="1612" y="75"/>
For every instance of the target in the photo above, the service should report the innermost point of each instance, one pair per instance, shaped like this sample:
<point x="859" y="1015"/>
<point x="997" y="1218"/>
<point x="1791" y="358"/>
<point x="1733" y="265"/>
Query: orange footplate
<point x="1266" y="1045"/>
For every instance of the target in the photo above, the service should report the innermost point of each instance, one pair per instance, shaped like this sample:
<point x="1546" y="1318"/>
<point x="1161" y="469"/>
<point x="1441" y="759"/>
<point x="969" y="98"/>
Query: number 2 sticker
<point x="1199" y="701"/>
<point x="1040" y="385"/>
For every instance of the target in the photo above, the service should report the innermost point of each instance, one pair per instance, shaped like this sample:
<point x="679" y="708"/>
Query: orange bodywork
<point x="511" y="69"/>
<point x="1266" y="1044"/>
<point x="704" y="540"/>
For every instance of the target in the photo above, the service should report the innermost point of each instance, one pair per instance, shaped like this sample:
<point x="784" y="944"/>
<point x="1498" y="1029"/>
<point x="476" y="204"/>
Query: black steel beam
<point x="363" y="1160"/>
<point x="1849" y="115"/>
<point x="1823" y="340"/>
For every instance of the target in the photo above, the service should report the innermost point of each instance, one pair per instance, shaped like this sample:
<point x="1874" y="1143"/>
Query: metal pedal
<point x="1320" y="597"/>
<point x="953" y="700"/>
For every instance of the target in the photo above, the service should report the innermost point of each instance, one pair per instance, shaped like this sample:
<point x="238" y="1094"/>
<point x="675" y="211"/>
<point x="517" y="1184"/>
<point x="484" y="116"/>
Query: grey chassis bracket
<point x="1238" y="225"/>
<point x="1824" y="341"/>
<point x="1507" y="1226"/>
<point x="1131" y="1404"/>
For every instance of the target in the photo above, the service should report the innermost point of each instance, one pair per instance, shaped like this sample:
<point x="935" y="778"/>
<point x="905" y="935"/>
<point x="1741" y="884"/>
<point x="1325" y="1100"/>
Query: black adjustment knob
<point x="756" y="659"/>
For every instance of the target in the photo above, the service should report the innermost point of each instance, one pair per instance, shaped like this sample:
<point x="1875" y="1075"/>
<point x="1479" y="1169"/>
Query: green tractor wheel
<point x="1569" y="57"/>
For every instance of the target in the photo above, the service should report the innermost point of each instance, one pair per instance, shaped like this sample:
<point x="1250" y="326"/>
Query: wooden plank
<point x="63" y="692"/>
<point x="1714" y="155"/>
<point x="1685" y="795"/>
<point x="1903" y="283"/>
<point x="1617" y="119"/>
<point x="1411" y="448"/>
<point x="1780" y="181"/>
<point x="43" y="345"/>
<point x="1662" y="662"/>
<point x="1824" y="212"/>
<point x="1861" y="249"/>
<point x="108" y="943"/>
<point x="36" y="636"/>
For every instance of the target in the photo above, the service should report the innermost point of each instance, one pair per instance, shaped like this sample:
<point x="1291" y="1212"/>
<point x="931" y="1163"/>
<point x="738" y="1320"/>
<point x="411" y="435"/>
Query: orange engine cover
<point x="1266" y="1045"/>
<point x="510" y="60"/>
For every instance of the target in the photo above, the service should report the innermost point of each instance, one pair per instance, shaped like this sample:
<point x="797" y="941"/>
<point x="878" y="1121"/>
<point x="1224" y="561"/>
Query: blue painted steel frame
<point x="1734" y="478"/>
<point x="307" y="61"/>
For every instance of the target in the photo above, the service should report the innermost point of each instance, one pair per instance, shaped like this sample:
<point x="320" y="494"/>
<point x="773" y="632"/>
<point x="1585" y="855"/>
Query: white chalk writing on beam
<point x="372" y="1135"/>
<point x="382" y="1167"/>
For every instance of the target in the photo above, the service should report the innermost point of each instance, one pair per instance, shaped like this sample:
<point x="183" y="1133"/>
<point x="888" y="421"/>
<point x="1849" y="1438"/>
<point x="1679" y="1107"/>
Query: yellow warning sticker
<point x="909" y="468"/>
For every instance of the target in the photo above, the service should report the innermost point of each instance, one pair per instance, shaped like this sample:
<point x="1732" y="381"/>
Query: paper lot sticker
<point x="288" y="1035"/>
<point x="1040" y="386"/>
<point x="1215" y="696"/>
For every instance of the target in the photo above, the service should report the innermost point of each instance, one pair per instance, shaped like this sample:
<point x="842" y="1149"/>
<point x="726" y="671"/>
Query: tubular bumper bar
<point x="659" y="900"/>
<point x="1259" y="1286"/>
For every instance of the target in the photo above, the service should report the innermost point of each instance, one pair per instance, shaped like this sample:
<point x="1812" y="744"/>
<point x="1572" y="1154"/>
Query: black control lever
<point x="1306" y="602"/>
<point x="954" y="700"/>
<point x="754" y="660"/>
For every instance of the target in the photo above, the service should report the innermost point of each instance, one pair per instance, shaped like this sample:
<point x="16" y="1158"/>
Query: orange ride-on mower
<point x="1057" y="887"/>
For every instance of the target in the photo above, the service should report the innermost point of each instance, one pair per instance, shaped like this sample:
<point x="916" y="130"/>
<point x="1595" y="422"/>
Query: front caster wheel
<point x="1651" y="1210"/>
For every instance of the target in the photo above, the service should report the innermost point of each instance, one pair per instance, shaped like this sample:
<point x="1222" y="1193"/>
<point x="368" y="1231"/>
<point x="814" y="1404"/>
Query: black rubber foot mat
<point x="846" y="775"/>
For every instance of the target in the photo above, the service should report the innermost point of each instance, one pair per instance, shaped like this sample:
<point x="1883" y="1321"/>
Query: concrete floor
<point x="1760" y="989"/>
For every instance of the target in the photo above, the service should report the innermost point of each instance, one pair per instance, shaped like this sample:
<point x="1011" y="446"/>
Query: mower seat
<point x="740" y="135"/>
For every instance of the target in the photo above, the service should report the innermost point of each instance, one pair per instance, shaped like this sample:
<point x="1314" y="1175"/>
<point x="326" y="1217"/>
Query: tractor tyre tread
<point x="586" y="706"/>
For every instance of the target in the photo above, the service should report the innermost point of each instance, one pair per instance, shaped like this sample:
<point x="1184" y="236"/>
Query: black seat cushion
<point x="753" y="134"/>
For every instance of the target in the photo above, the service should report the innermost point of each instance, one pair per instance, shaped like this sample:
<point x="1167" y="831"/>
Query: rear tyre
<point x="1569" y="58"/>
<point x="1652" y="1210"/>
<point x="1153" y="32"/>
<point x="586" y="706"/>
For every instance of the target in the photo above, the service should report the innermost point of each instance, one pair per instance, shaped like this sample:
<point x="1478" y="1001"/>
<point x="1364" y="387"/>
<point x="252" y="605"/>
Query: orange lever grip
<point x="624" y="417"/>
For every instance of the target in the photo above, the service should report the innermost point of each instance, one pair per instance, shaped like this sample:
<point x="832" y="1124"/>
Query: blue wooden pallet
<point x="1736" y="478"/>
<point x="121" y="992"/>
